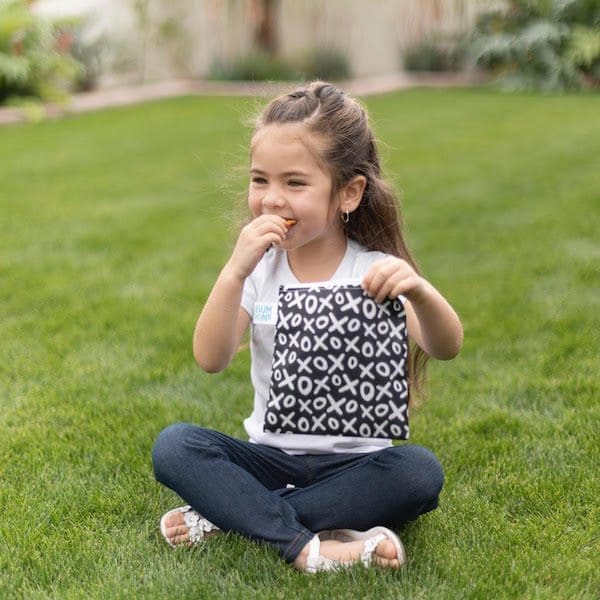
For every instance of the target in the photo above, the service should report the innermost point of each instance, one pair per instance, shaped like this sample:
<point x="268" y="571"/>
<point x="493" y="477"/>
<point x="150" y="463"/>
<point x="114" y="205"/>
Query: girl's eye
<point x="259" y="180"/>
<point x="295" y="183"/>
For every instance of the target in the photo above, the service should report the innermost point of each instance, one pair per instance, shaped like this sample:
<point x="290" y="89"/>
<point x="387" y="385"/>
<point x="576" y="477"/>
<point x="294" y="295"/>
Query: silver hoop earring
<point x="345" y="216"/>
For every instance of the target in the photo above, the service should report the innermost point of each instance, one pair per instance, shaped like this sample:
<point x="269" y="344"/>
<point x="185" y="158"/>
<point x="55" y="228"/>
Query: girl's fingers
<point x="266" y="232"/>
<point x="382" y="277"/>
<point x="390" y="278"/>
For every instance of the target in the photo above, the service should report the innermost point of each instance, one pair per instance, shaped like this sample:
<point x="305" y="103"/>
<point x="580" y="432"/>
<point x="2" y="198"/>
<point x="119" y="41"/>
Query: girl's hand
<point x="253" y="241"/>
<point x="431" y="321"/>
<point x="390" y="277"/>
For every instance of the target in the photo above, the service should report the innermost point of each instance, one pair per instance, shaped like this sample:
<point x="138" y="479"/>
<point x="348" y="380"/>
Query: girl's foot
<point x="386" y="553"/>
<point x="185" y="527"/>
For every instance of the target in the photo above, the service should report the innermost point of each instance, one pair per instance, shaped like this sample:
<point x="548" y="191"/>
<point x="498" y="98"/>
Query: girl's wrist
<point x="420" y="292"/>
<point x="233" y="273"/>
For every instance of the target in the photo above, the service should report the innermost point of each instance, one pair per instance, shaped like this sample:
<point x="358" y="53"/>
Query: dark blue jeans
<point x="241" y="486"/>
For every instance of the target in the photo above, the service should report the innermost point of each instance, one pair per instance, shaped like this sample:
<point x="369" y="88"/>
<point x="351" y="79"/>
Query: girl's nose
<point x="273" y="198"/>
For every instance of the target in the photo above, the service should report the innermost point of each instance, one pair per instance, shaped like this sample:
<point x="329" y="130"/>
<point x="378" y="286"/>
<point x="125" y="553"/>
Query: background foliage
<point x="35" y="58"/>
<point x="548" y="45"/>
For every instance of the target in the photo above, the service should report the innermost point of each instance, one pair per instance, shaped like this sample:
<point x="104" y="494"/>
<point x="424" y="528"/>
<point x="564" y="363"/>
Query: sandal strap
<point x="197" y="525"/>
<point x="366" y="556"/>
<point x="312" y="560"/>
<point x="315" y="563"/>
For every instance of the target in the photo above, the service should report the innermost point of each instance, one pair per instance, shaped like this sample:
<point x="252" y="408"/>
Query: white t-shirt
<point x="259" y="300"/>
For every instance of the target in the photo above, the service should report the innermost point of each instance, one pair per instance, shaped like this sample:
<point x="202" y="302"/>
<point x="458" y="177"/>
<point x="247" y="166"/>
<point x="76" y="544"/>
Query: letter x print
<point x="288" y="379"/>
<point x="297" y="300"/>
<point x="352" y="304"/>
<point x="324" y="303"/>
<point x="337" y="324"/>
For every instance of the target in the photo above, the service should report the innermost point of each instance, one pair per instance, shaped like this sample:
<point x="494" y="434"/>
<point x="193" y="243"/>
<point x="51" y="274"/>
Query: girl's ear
<point x="352" y="193"/>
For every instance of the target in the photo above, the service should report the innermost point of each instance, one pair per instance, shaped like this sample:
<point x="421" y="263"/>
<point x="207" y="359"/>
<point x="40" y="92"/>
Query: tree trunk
<point x="266" y="29"/>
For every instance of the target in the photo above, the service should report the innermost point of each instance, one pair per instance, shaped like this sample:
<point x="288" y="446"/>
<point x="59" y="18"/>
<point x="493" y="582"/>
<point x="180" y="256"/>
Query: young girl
<point x="320" y="212"/>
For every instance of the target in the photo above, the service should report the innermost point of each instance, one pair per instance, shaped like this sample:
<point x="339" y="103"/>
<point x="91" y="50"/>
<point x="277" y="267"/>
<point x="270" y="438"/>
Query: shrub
<point x="433" y="55"/>
<point x="256" y="66"/>
<point x="259" y="66"/>
<point x="326" y="64"/>
<point x="34" y="54"/>
<point x="549" y="45"/>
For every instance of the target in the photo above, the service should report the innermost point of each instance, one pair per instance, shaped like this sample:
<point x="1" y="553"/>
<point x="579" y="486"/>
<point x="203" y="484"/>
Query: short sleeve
<point x="249" y="294"/>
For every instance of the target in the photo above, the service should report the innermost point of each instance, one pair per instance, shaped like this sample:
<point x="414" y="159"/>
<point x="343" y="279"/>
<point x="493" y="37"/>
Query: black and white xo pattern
<point x="339" y="365"/>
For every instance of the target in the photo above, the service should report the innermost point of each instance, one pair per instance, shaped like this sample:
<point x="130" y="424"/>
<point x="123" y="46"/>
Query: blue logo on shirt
<point x="263" y="313"/>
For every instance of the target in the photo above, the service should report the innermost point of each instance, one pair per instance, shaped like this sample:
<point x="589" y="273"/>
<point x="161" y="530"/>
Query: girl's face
<point x="286" y="179"/>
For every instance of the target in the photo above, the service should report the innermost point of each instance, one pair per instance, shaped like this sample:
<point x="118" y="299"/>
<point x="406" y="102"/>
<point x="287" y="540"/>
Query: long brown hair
<point x="342" y="123"/>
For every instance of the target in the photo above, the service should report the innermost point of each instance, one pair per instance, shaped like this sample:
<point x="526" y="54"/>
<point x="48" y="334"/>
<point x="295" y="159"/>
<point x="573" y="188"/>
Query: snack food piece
<point x="290" y="222"/>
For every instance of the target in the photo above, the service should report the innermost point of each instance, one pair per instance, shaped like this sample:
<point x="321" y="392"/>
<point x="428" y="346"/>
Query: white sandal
<point x="197" y="525"/>
<point x="372" y="537"/>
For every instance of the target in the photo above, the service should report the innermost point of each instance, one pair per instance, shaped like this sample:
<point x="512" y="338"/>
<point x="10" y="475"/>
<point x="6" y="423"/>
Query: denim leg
<point x="389" y="487"/>
<point x="232" y="484"/>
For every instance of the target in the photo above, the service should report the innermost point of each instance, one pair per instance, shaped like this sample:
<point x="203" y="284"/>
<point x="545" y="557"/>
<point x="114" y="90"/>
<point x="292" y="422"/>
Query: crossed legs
<point x="242" y="487"/>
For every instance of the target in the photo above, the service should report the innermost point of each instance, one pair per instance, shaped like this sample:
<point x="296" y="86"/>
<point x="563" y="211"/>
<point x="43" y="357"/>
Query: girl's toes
<point x="386" y="549"/>
<point x="387" y="563"/>
<point x="180" y="539"/>
<point x="386" y="554"/>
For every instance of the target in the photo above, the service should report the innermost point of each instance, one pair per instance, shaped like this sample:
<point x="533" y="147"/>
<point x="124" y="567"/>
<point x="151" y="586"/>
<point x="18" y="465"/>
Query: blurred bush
<point x="434" y="54"/>
<point x="35" y="58"/>
<point x="325" y="64"/>
<point x="255" y="66"/>
<point x="260" y="66"/>
<point x="548" y="45"/>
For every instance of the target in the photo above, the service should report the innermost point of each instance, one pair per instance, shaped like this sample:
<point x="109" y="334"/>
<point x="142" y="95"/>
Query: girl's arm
<point x="222" y="322"/>
<point x="432" y="322"/>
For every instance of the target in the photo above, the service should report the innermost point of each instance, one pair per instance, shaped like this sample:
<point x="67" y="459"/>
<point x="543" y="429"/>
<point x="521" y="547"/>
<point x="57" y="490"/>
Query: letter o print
<point x="305" y="385"/>
<point x="289" y="401"/>
<point x="335" y="342"/>
<point x="397" y="347"/>
<point x="367" y="350"/>
<point x="336" y="380"/>
<point x="319" y="403"/>
<point x="282" y="338"/>
<point x="296" y="320"/>
<point x="354" y="325"/>
<point x="398" y="387"/>
<point x="322" y="322"/>
<point x="352" y="362"/>
<point x="271" y="418"/>
<point x="305" y="344"/>
<point x="381" y="410"/>
<point x="383" y="369"/>
<point x="292" y="357"/>
<point x="396" y="430"/>
<point x="311" y="304"/>
<point x="383" y="328"/>
<point x="277" y="375"/>
<point x="367" y="391"/>
<point x="320" y="363"/>
<point x="369" y="308"/>
<point x="351" y="406"/>
<point x="333" y="423"/>
<point x="303" y="424"/>
<point x="364" y="430"/>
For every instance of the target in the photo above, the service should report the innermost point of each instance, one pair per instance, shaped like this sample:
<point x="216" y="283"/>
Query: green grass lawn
<point x="113" y="226"/>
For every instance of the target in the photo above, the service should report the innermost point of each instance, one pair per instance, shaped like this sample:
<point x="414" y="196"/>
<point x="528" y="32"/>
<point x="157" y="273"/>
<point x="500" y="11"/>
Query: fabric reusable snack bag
<point x="339" y="364"/>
